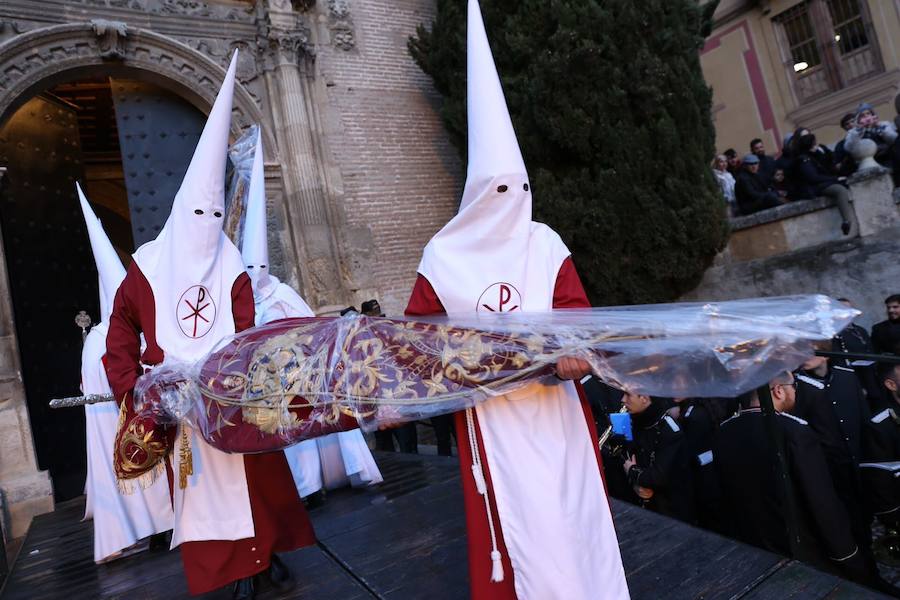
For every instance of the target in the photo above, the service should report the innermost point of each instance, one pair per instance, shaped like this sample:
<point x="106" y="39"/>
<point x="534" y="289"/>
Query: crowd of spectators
<point x="712" y="462"/>
<point x="806" y="169"/>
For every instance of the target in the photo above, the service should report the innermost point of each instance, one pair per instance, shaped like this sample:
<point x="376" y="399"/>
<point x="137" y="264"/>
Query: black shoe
<point x="315" y="500"/>
<point x="845" y="227"/>
<point x="243" y="589"/>
<point x="281" y="577"/>
<point x="160" y="542"/>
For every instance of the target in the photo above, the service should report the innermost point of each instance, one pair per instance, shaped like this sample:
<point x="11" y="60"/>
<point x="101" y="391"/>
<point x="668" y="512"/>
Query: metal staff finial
<point x="83" y="320"/>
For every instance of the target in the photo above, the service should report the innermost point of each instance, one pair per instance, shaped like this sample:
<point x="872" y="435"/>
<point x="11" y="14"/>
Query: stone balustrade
<point x="798" y="248"/>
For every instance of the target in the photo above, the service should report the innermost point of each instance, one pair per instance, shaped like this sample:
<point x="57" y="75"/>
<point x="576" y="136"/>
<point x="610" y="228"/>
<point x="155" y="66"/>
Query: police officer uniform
<point x="836" y="410"/>
<point x="881" y="443"/>
<point x="662" y="462"/>
<point x="754" y="494"/>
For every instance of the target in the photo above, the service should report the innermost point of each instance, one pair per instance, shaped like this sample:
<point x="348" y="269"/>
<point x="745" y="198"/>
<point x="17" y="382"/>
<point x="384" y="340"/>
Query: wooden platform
<point x="405" y="539"/>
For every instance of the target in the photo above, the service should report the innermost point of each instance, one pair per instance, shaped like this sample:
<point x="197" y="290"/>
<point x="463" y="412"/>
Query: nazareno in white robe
<point x="120" y="520"/>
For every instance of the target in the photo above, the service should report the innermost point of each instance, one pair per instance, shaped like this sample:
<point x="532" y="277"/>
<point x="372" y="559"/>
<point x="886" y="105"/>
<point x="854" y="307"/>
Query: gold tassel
<point x="185" y="459"/>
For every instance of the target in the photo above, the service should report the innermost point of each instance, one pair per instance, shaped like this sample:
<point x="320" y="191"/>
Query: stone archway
<point x="30" y="63"/>
<point x="39" y="58"/>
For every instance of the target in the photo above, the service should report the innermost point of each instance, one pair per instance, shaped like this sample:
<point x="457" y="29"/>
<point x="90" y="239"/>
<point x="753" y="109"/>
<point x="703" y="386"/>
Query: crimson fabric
<point x="568" y="292"/>
<point x="134" y="312"/>
<point x="279" y="517"/>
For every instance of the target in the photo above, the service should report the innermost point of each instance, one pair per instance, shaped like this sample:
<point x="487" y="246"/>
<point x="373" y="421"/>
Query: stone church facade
<point x="359" y="172"/>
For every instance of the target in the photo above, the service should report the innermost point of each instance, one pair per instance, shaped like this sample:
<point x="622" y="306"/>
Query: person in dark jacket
<point x="659" y="468"/>
<point x="758" y="498"/>
<point x="766" y="163"/>
<point x="699" y="419"/>
<point x="781" y="186"/>
<point x="785" y="163"/>
<point x="881" y="444"/>
<point x="734" y="162"/>
<point x="831" y="399"/>
<point x="843" y="162"/>
<point x="751" y="192"/>
<point x="812" y="174"/>
<point x="854" y="339"/>
<point x="886" y="334"/>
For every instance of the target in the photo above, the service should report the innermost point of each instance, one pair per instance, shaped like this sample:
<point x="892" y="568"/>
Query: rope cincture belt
<point x="481" y="486"/>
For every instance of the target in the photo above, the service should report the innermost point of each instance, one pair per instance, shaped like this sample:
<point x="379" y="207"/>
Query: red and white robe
<point x="541" y="462"/>
<point x="221" y="540"/>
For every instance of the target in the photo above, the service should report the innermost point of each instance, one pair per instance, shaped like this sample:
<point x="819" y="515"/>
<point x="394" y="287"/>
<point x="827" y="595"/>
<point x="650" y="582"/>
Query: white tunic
<point x="120" y="520"/>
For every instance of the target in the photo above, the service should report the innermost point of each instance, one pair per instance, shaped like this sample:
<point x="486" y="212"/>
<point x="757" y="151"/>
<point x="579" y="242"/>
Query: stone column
<point x="287" y="61"/>
<point x="25" y="491"/>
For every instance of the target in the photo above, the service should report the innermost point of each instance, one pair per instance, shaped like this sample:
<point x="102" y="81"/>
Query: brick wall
<point x="401" y="177"/>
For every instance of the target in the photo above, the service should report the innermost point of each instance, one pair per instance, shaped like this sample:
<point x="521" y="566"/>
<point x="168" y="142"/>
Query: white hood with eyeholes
<point x="490" y="254"/>
<point x="192" y="265"/>
<point x="274" y="300"/>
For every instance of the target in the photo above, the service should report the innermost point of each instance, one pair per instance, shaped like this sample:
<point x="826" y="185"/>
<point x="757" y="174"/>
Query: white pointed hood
<point x="492" y="145"/>
<point x="109" y="267"/>
<point x="489" y="241"/>
<point x="254" y="245"/>
<point x="191" y="265"/>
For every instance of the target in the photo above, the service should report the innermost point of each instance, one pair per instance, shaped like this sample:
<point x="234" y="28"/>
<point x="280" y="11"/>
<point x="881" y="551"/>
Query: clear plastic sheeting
<point x="240" y="156"/>
<point x="297" y="379"/>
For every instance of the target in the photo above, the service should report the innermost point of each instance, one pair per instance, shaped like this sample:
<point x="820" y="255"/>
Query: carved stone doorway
<point x="30" y="64"/>
<point x="128" y="143"/>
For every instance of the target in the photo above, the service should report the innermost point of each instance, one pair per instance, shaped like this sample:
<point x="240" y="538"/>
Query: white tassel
<point x="481" y="486"/>
<point x="496" y="567"/>
<point x="480" y="483"/>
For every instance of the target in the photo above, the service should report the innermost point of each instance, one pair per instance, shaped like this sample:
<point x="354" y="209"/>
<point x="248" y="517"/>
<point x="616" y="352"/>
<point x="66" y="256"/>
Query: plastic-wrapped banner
<point x="240" y="155"/>
<point x="295" y="379"/>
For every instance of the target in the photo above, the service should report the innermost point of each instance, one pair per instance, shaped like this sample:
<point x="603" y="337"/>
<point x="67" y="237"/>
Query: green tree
<point x="613" y="118"/>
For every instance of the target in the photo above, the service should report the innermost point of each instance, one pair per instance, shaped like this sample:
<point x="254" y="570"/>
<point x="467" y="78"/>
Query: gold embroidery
<point x="378" y="363"/>
<point x="138" y="450"/>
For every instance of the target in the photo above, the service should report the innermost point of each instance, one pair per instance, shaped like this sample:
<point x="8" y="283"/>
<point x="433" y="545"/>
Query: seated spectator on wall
<point x="766" y="163"/>
<point x="781" y="186"/>
<point x="883" y="133"/>
<point x="785" y="161"/>
<point x="751" y="193"/>
<point x="734" y="163"/>
<point x="725" y="181"/>
<point x="820" y="153"/>
<point x="812" y="176"/>
<point x="843" y="161"/>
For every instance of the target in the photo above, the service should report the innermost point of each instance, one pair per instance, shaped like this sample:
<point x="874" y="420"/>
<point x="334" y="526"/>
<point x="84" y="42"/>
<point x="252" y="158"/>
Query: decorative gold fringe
<point x="128" y="486"/>
<point x="185" y="459"/>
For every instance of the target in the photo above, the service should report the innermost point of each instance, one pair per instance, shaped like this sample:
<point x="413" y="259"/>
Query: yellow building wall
<point x="753" y="92"/>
